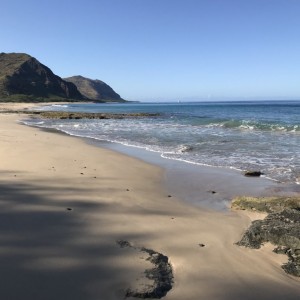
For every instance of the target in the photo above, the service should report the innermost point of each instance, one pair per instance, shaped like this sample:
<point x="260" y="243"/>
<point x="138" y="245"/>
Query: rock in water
<point x="253" y="173"/>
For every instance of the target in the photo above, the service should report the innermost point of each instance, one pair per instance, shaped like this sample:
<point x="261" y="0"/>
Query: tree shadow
<point x="48" y="252"/>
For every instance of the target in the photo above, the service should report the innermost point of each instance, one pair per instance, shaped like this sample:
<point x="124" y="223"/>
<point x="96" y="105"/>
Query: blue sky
<point x="164" y="49"/>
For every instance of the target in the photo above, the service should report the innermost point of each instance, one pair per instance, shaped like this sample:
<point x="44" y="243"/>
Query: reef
<point x="281" y="227"/>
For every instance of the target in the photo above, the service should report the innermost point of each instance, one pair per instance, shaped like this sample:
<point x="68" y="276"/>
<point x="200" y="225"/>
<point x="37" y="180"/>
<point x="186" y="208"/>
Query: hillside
<point x="96" y="90"/>
<point x="24" y="78"/>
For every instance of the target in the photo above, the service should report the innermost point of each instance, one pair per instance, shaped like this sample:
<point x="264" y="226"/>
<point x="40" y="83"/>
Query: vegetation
<point x="95" y="89"/>
<point x="9" y="63"/>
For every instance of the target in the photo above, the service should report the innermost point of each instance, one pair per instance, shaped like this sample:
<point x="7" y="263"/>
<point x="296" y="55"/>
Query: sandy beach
<point x="65" y="204"/>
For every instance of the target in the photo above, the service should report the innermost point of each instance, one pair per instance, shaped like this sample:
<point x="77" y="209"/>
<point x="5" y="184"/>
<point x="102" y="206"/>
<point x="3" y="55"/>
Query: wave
<point x="209" y="145"/>
<point x="52" y="107"/>
<point x="60" y="105"/>
<point x="185" y="148"/>
<point x="258" y="126"/>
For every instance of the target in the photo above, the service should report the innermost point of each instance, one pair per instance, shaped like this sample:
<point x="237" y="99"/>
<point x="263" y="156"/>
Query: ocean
<point x="245" y="135"/>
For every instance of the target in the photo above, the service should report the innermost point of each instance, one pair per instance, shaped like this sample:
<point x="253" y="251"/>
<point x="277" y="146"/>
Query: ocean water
<point x="244" y="135"/>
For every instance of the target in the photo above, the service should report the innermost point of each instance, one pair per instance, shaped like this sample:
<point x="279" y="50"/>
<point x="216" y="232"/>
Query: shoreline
<point x="47" y="250"/>
<point x="207" y="187"/>
<point x="218" y="185"/>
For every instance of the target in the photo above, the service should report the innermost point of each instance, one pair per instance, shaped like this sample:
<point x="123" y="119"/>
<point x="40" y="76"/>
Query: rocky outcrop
<point x="62" y="115"/>
<point x="281" y="227"/>
<point x="161" y="274"/>
<point x="96" y="90"/>
<point x="77" y="116"/>
<point x="23" y="77"/>
<point x="68" y="115"/>
<point x="265" y="204"/>
<point x="253" y="173"/>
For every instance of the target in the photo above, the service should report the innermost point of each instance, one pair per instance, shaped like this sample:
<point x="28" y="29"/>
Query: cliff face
<point x="22" y="75"/>
<point x="95" y="89"/>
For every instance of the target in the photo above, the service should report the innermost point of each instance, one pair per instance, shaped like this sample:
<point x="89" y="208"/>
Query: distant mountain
<point x="24" y="78"/>
<point x="96" y="90"/>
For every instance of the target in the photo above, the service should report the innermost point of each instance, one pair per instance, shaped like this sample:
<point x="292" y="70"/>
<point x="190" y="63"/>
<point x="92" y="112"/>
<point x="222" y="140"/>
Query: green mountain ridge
<point x="24" y="79"/>
<point x="94" y="89"/>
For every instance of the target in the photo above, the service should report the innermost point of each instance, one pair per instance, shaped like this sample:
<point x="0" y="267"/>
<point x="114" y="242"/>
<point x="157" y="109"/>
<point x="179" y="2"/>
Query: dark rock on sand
<point x="281" y="228"/>
<point x="253" y="173"/>
<point x="124" y="244"/>
<point x="161" y="274"/>
<point x="212" y="192"/>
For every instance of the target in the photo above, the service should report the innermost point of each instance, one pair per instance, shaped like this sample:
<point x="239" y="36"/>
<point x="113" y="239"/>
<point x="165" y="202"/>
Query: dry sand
<point x="50" y="252"/>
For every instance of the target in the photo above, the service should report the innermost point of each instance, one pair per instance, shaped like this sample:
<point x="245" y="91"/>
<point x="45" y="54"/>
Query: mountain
<point x="96" y="90"/>
<point x="24" y="78"/>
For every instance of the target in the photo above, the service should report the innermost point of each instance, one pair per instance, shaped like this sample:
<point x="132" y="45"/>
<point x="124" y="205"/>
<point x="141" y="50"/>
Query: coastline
<point x="207" y="187"/>
<point x="48" y="251"/>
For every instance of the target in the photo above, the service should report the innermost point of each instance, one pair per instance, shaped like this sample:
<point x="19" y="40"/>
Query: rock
<point x="212" y="192"/>
<point x="161" y="274"/>
<point x="124" y="244"/>
<point x="201" y="245"/>
<point x="281" y="229"/>
<point x="253" y="173"/>
<point x="281" y="250"/>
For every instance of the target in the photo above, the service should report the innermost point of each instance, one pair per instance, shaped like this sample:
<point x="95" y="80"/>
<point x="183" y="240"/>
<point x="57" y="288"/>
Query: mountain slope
<point x="24" y="78"/>
<point x="95" y="89"/>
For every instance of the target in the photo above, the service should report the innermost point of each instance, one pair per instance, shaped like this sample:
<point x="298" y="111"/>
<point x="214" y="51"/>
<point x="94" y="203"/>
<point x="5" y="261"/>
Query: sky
<point x="164" y="50"/>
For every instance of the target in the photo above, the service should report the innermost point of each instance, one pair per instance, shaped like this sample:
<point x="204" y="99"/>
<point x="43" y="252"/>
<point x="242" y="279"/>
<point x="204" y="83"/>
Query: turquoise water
<point x="261" y="136"/>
